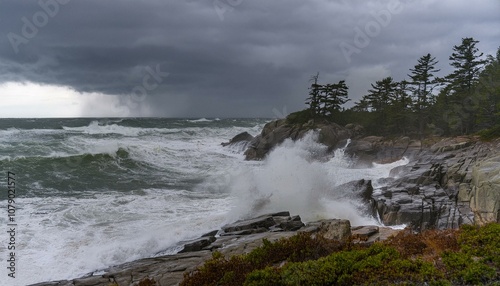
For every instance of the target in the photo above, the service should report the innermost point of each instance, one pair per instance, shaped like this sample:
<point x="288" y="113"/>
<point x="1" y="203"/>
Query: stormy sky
<point x="218" y="58"/>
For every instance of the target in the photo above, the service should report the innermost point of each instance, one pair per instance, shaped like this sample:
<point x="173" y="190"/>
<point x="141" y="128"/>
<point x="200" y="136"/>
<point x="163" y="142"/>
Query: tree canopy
<point x="325" y="100"/>
<point x="464" y="102"/>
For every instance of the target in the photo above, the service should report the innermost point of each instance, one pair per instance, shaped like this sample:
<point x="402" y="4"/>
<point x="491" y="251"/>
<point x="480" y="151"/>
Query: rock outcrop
<point x="275" y="132"/>
<point x="483" y="194"/>
<point x="242" y="137"/>
<point x="239" y="143"/>
<point x="233" y="239"/>
<point x="437" y="189"/>
<point x="381" y="150"/>
<point x="445" y="185"/>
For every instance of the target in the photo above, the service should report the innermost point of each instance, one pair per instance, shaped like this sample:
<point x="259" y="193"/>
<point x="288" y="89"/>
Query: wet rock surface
<point x="275" y="132"/>
<point x="441" y="186"/>
<point x="381" y="150"/>
<point x="447" y="183"/>
<point x="242" y="137"/>
<point x="437" y="189"/>
<point x="233" y="239"/>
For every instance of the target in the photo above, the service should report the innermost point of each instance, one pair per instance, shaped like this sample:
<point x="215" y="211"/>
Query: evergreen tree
<point x="488" y="92"/>
<point x="313" y="99"/>
<point x="324" y="100"/>
<point x="333" y="97"/>
<point x="379" y="99"/>
<point x="361" y="106"/>
<point x="400" y="110"/>
<point x="382" y="94"/>
<point x="423" y="81"/>
<point x="467" y="63"/>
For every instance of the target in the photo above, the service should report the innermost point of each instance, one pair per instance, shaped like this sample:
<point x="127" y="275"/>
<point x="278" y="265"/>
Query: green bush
<point x="299" y="117"/>
<point x="490" y="134"/>
<point x="469" y="256"/>
<point x="233" y="271"/>
<point x="483" y="242"/>
<point x="377" y="265"/>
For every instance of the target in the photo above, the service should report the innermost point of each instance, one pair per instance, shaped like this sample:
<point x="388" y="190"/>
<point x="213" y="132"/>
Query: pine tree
<point x="422" y="83"/>
<point x="324" y="100"/>
<point x="314" y="94"/>
<point x="488" y="92"/>
<point x="400" y="110"/>
<point x="468" y="65"/>
<point x="382" y="94"/>
<point x="334" y="96"/>
<point x="361" y="106"/>
<point x="380" y="98"/>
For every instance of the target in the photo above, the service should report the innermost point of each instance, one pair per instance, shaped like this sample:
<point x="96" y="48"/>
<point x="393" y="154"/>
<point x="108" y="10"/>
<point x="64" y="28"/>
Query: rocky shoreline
<point x="237" y="238"/>
<point x="447" y="182"/>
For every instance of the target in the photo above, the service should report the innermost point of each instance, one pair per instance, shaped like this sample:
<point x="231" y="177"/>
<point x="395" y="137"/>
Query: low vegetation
<point x="468" y="256"/>
<point x="490" y="134"/>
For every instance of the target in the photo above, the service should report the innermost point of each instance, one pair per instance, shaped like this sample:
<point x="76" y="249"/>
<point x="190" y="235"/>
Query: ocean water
<point x="93" y="193"/>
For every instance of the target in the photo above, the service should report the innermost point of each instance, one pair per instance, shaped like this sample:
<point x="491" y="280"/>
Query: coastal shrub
<point x="429" y="245"/>
<point x="299" y="117"/>
<point x="467" y="256"/>
<point x="490" y="134"/>
<point x="483" y="242"/>
<point x="478" y="260"/>
<point x="233" y="271"/>
<point x="464" y="269"/>
<point x="378" y="265"/>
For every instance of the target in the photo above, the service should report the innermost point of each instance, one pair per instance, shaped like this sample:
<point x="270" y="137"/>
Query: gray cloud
<point x="259" y="57"/>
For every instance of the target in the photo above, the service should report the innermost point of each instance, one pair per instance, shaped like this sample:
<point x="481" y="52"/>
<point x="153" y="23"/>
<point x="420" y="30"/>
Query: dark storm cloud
<point x="231" y="58"/>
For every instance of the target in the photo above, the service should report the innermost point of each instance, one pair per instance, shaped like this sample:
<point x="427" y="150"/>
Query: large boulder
<point x="275" y="132"/>
<point x="336" y="229"/>
<point x="485" y="196"/>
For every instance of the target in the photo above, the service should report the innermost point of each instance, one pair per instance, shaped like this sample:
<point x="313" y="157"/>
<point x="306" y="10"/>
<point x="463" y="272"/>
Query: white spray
<point x="302" y="178"/>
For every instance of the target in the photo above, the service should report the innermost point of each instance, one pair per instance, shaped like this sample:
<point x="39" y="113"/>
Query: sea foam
<point x="64" y="235"/>
<point x="303" y="178"/>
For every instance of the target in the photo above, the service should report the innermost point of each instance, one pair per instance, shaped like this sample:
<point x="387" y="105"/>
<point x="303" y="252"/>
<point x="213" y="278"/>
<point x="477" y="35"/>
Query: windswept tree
<point x="381" y="95"/>
<point x="467" y="63"/>
<point x="314" y="94"/>
<point x="422" y="83"/>
<point x="379" y="101"/>
<point x="466" y="59"/>
<point x="333" y="96"/>
<point x="361" y="106"/>
<point x="325" y="100"/>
